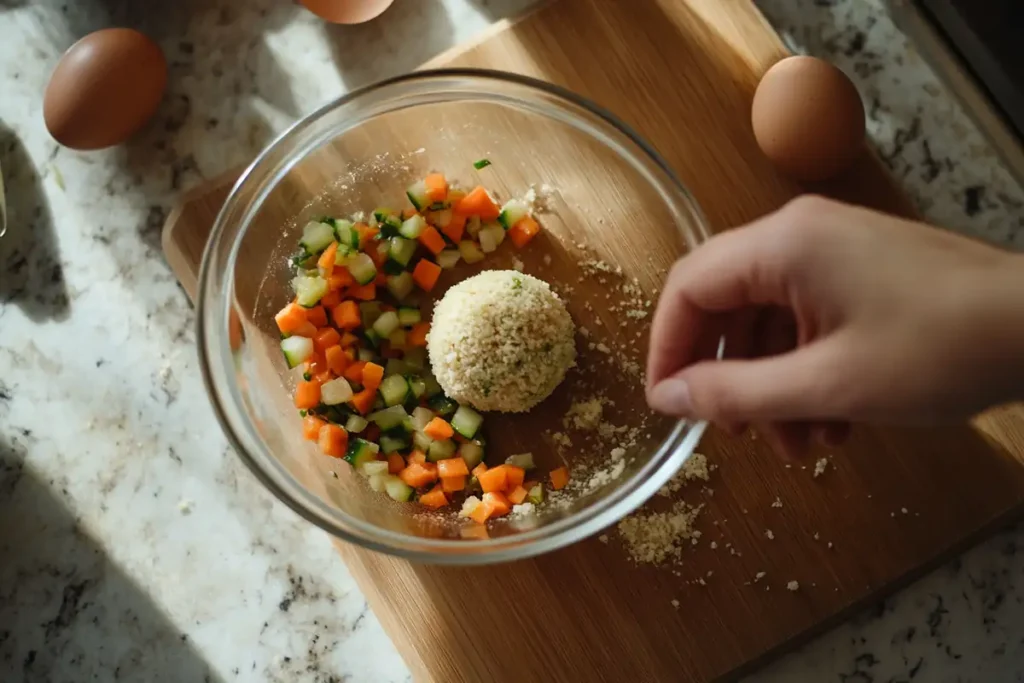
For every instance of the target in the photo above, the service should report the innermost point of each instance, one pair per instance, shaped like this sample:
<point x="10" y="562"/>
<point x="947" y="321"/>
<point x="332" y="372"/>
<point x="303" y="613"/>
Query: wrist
<point x="1006" y="341"/>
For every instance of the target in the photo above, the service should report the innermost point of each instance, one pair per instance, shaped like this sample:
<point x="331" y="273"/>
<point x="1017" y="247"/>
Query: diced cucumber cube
<point x="472" y="453"/>
<point x="377" y="482"/>
<point x="372" y="338"/>
<point x="491" y="237"/>
<point x="433" y="387"/>
<point x="398" y="489"/>
<point x="356" y="424"/>
<point x="343" y="252"/>
<point x="473" y="225"/>
<point x="362" y="268"/>
<point x="389" y="418"/>
<point x="416" y="358"/>
<point x="392" y="443"/>
<point x="401" y="250"/>
<point x="397" y="339"/>
<point x="467" y="421"/>
<point x="396" y="366"/>
<point x="421" y="441"/>
<point x="316" y="236"/>
<point x="444" y="217"/>
<point x="449" y="258"/>
<point x="442" y="405"/>
<point x="361" y="451"/>
<point x="296" y="350"/>
<point x="470" y="252"/>
<point x="369" y="311"/>
<point x="409" y="316"/>
<point x="417" y="194"/>
<point x="514" y="211"/>
<point x="522" y="460"/>
<point x="366" y="355"/>
<point x="346" y="233"/>
<point x="536" y="494"/>
<point x="412" y="227"/>
<point x="309" y="289"/>
<point x="400" y="285"/>
<point x="335" y="391"/>
<point x="417" y="386"/>
<point x="421" y="417"/>
<point x="394" y="390"/>
<point x="386" y="323"/>
<point x="441" y="450"/>
<point x="374" y="467"/>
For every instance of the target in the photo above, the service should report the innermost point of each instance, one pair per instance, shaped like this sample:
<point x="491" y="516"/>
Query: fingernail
<point x="672" y="396"/>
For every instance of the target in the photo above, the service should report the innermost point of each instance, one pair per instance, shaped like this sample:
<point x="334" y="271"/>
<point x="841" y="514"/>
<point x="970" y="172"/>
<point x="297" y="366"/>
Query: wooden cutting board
<point x="892" y="504"/>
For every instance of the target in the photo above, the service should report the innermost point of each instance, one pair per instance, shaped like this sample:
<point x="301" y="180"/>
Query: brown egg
<point x="808" y="118"/>
<point x="347" y="11"/>
<point x="104" y="89"/>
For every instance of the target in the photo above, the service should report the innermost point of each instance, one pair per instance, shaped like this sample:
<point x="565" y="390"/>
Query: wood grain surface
<point x="683" y="73"/>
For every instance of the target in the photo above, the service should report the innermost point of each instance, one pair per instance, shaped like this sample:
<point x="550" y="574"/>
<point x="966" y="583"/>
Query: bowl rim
<point x="633" y="492"/>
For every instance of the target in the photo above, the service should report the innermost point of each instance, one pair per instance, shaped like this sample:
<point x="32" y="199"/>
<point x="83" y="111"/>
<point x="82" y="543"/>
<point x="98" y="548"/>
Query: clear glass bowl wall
<point x="610" y="193"/>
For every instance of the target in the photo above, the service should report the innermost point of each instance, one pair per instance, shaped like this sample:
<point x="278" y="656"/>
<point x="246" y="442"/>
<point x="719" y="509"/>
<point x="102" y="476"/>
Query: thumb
<point x="799" y="385"/>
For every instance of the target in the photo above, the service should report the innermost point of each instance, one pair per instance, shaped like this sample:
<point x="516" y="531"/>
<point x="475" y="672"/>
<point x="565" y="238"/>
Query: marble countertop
<point x="133" y="543"/>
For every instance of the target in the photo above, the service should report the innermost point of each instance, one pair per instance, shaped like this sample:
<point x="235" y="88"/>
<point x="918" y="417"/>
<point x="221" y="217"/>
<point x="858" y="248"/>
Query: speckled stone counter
<point x="133" y="544"/>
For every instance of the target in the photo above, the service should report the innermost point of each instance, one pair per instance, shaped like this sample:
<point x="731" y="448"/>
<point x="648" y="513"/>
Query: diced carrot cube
<point x="336" y="360"/>
<point x="363" y="292"/>
<point x="452" y="467"/>
<point x="330" y="299"/>
<point x="408" y="213"/>
<point x="326" y="261"/>
<point x="317" y="315"/>
<point x="417" y="334"/>
<point x="333" y="440"/>
<point x="515" y="476"/>
<point x="477" y="531"/>
<point x="437" y="187"/>
<point x="493" y="480"/>
<point x="481" y="513"/>
<point x="453" y="484"/>
<point x="417" y="475"/>
<point x="307" y="395"/>
<point x="432" y="240"/>
<point x="523" y="231"/>
<point x="326" y="338"/>
<point x="346" y="315"/>
<point x="373" y="375"/>
<point x="517" y="495"/>
<point x="456" y="227"/>
<point x="340" y="279"/>
<point x="417" y="456"/>
<point x="311" y="425"/>
<point x="290" y="318"/>
<point x="478" y="203"/>
<point x="425" y="274"/>
<point x="363" y="400"/>
<point x="354" y="372"/>
<point x="366" y="234"/>
<point x="438" y="429"/>
<point x="348" y="339"/>
<point x="381" y="279"/>
<point x="396" y="463"/>
<point x="306" y="329"/>
<point x="497" y="502"/>
<point x="479" y="469"/>
<point x="435" y="498"/>
<point x="559" y="478"/>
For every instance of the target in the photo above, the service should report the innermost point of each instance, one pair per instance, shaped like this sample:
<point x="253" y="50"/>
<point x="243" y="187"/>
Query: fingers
<point x="793" y="386"/>
<point x="738" y="268"/>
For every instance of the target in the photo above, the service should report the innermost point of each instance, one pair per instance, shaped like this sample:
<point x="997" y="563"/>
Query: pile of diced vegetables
<point x="367" y="393"/>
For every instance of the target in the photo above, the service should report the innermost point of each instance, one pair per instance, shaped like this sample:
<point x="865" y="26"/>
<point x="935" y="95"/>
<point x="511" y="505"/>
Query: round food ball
<point x="501" y="340"/>
<point x="808" y="118"/>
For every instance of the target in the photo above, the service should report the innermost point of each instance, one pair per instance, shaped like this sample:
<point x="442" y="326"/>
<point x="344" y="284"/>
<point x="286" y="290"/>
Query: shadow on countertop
<point x="67" y="613"/>
<point x="31" y="275"/>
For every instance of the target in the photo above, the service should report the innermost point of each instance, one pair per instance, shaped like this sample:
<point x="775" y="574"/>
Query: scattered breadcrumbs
<point x="657" y="536"/>
<point x="584" y="415"/>
<point x="769" y="535"/>
<point x="777" y="503"/>
<point x="695" y="467"/>
<point x="819" y="467"/>
<point x="603" y="538"/>
<point x="758" y="576"/>
<point x="675" y="603"/>
<point x="793" y="586"/>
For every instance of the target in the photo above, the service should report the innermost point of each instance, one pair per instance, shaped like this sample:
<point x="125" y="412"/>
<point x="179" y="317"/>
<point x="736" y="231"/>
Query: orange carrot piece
<point x="514" y="475"/>
<point x="326" y="261"/>
<point x="456" y="228"/>
<point x="523" y="231"/>
<point x="481" y="513"/>
<point x="417" y="475"/>
<point x="432" y="240"/>
<point x="307" y="395"/>
<point x="494" y="479"/>
<point x="333" y="440"/>
<point x="336" y="360"/>
<point x="317" y="315"/>
<point x="381" y="279"/>
<point x="340" y="279"/>
<point x="290" y="318"/>
<point x="373" y="375"/>
<point x="417" y="334"/>
<point x="453" y="484"/>
<point x="452" y="467"/>
<point x="354" y="372"/>
<point x="306" y="329"/>
<point x="497" y="502"/>
<point x="363" y="292"/>
<point x="438" y="430"/>
<point x="311" y="425"/>
<point x="437" y="187"/>
<point x="316" y="364"/>
<point x="477" y="531"/>
<point x="326" y="338"/>
<point x="396" y="463"/>
<point x="348" y="339"/>
<point x="479" y="469"/>
<point x="322" y="376"/>
<point x="346" y="315"/>
<point x="425" y="274"/>
<point x="366" y="234"/>
<point x="363" y="400"/>
<point x="435" y="498"/>
<point x="559" y="478"/>
<point x="408" y="213"/>
<point x="417" y="456"/>
<point x="517" y="495"/>
<point x="478" y="203"/>
<point x="331" y="298"/>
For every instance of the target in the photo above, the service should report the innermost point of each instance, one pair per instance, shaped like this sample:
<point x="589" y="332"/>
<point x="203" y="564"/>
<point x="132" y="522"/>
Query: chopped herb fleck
<point x="482" y="163"/>
<point x="302" y="413"/>
<point x="306" y="376"/>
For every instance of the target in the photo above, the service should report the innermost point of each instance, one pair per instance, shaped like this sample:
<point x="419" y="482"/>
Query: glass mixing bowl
<point x="611" y="201"/>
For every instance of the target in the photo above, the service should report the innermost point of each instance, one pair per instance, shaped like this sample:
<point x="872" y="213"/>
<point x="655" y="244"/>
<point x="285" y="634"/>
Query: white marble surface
<point x="133" y="544"/>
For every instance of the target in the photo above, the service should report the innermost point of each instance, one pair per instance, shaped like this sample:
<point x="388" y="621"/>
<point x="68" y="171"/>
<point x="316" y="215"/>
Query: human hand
<point x="833" y="313"/>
